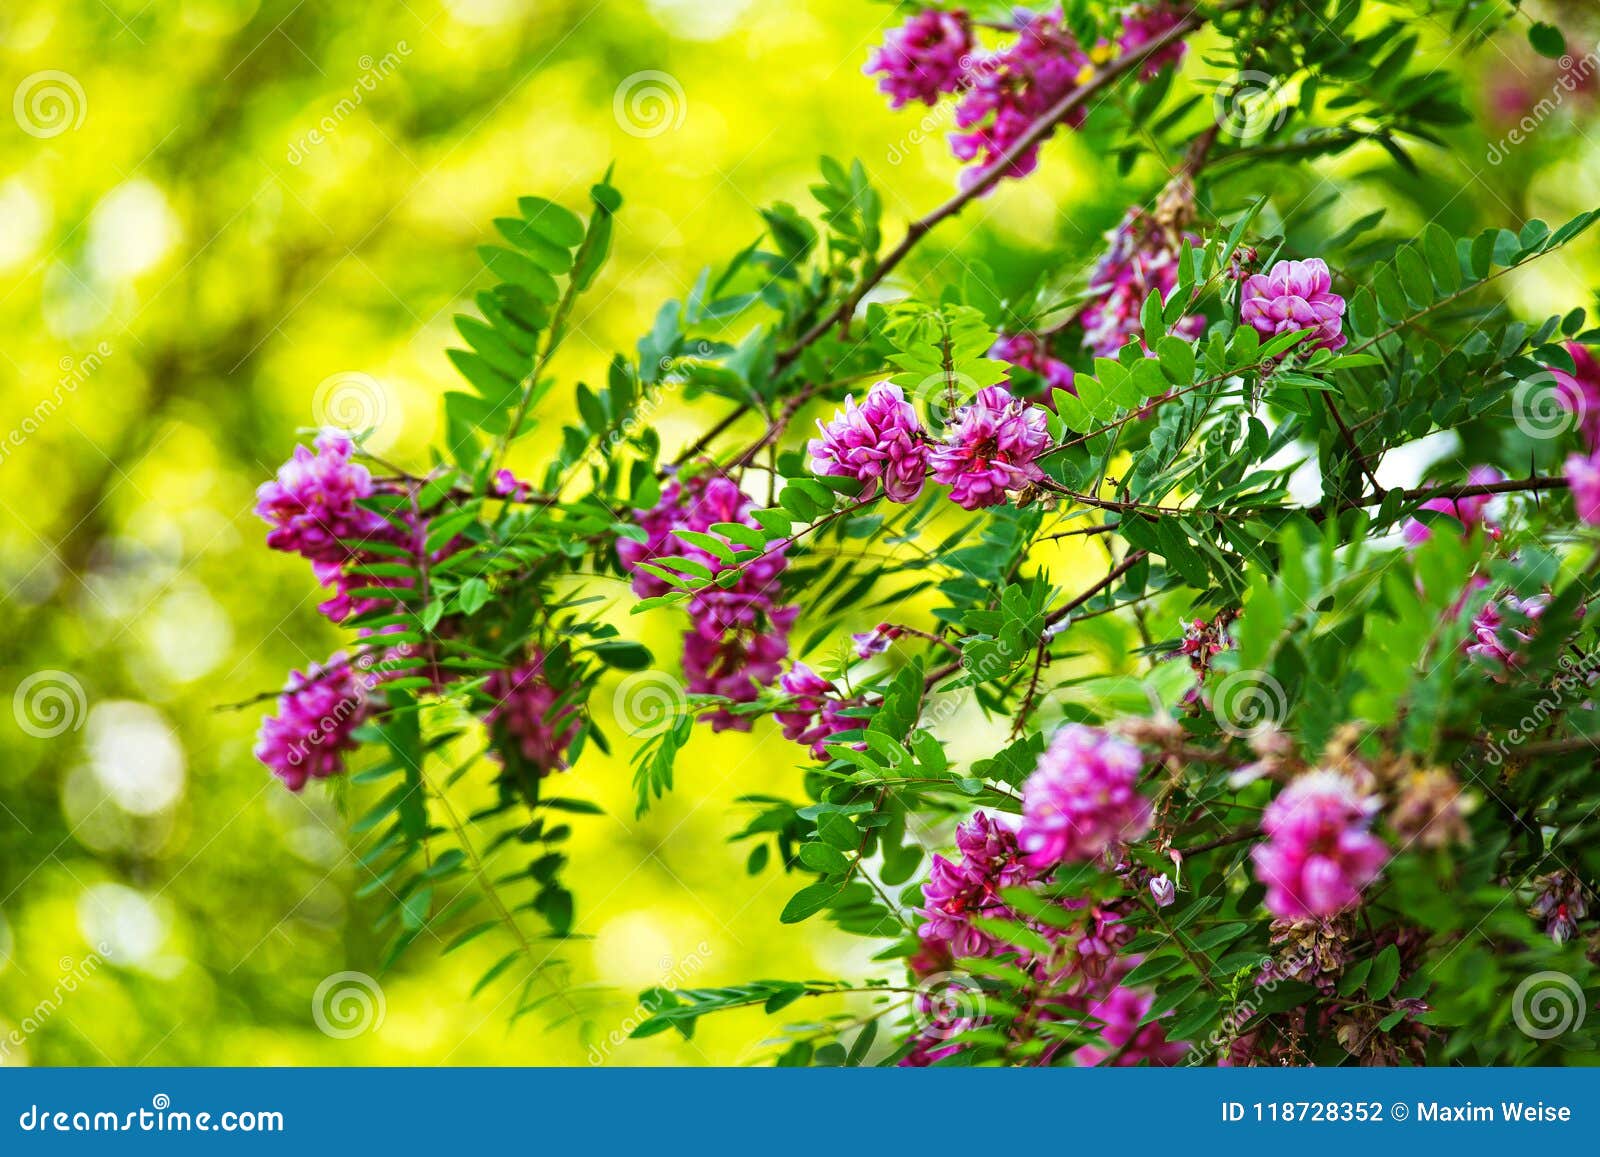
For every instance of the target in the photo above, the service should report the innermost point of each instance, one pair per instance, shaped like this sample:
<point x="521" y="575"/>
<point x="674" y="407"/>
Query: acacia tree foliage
<point x="1414" y="661"/>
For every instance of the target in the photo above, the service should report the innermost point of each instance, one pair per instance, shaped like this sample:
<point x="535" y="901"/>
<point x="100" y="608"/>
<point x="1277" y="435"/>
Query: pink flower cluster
<point x="313" y="509"/>
<point x="528" y="715"/>
<point x="1580" y="393"/>
<point x="317" y="712"/>
<point x="1142" y="256"/>
<point x="923" y="59"/>
<point x="312" y="504"/>
<point x="1085" y="980"/>
<point x="1120" y="1011"/>
<point x="1003" y="93"/>
<point x="1082" y="800"/>
<point x="957" y="891"/>
<point x="1320" y="852"/>
<point x="740" y="634"/>
<point x="1032" y="352"/>
<point x="815" y="713"/>
<point x="1146" y="23"/>
<point x="990" y="448"/>
<point x="879" y="441"/>
<point x="1498" y="641"/>
<point x="1472" y="511"/>
<point x="1295" y="295"/>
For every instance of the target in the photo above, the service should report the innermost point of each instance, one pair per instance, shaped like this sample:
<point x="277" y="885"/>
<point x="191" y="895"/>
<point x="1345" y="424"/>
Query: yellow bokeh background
<point x="217" y="219"/>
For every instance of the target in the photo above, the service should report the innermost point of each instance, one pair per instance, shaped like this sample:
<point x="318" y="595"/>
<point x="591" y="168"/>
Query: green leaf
<point x="808" y="901"/>
<point x="1547" y="40"/>
<point x="513" y="267"/>
<point x="473" y="597"/>
<point x="1385" y="971"/>
<point x="839" y="832"/>
<point x="556" y="223"/>
<point x="622" y="654"/>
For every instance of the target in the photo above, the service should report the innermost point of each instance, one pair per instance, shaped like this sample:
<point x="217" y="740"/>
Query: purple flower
<point x="956" y="892"/>
<point x="1142" y="256"/>
<point x="311" y="505"/>
<point x="1163" y="891"/>
<point x="407" y="531"/>
<point x="317" y="712"/>
<point x="1082" y="800"/>
<point x="1320" y="853"/>
<point x="875" y="641"/>
<point x="1032" y="352"/>
<point x="1120" y="1012"/>
<point x="1583" y="475"/>
<point x="1579" y="392"/>
<point x="508" y="485"/>
<point x="740" y="634"/>
<point x="1471" y="512"/>
<point x="526" y="715"/>
<point x="815" y="714"/>
<point x="1144" y="23"/>
<point x="1011" y="89"/>
<point x="925" y="57"/>
<point x="1295" y="295"/>
<point x="990" y="448"/>
<point x="735" y="665"/>
<point x="1560" y="903"/>
<point x="1498" y="643"/>
<point x="880" y="440"/>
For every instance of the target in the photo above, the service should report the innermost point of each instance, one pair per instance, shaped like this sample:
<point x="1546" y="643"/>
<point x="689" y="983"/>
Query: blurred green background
<point x="222" y="222"/>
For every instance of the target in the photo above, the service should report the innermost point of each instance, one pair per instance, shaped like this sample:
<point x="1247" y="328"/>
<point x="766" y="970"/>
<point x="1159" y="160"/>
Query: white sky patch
<point x="136" y="756"/>
<point x="131" y="230"/>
